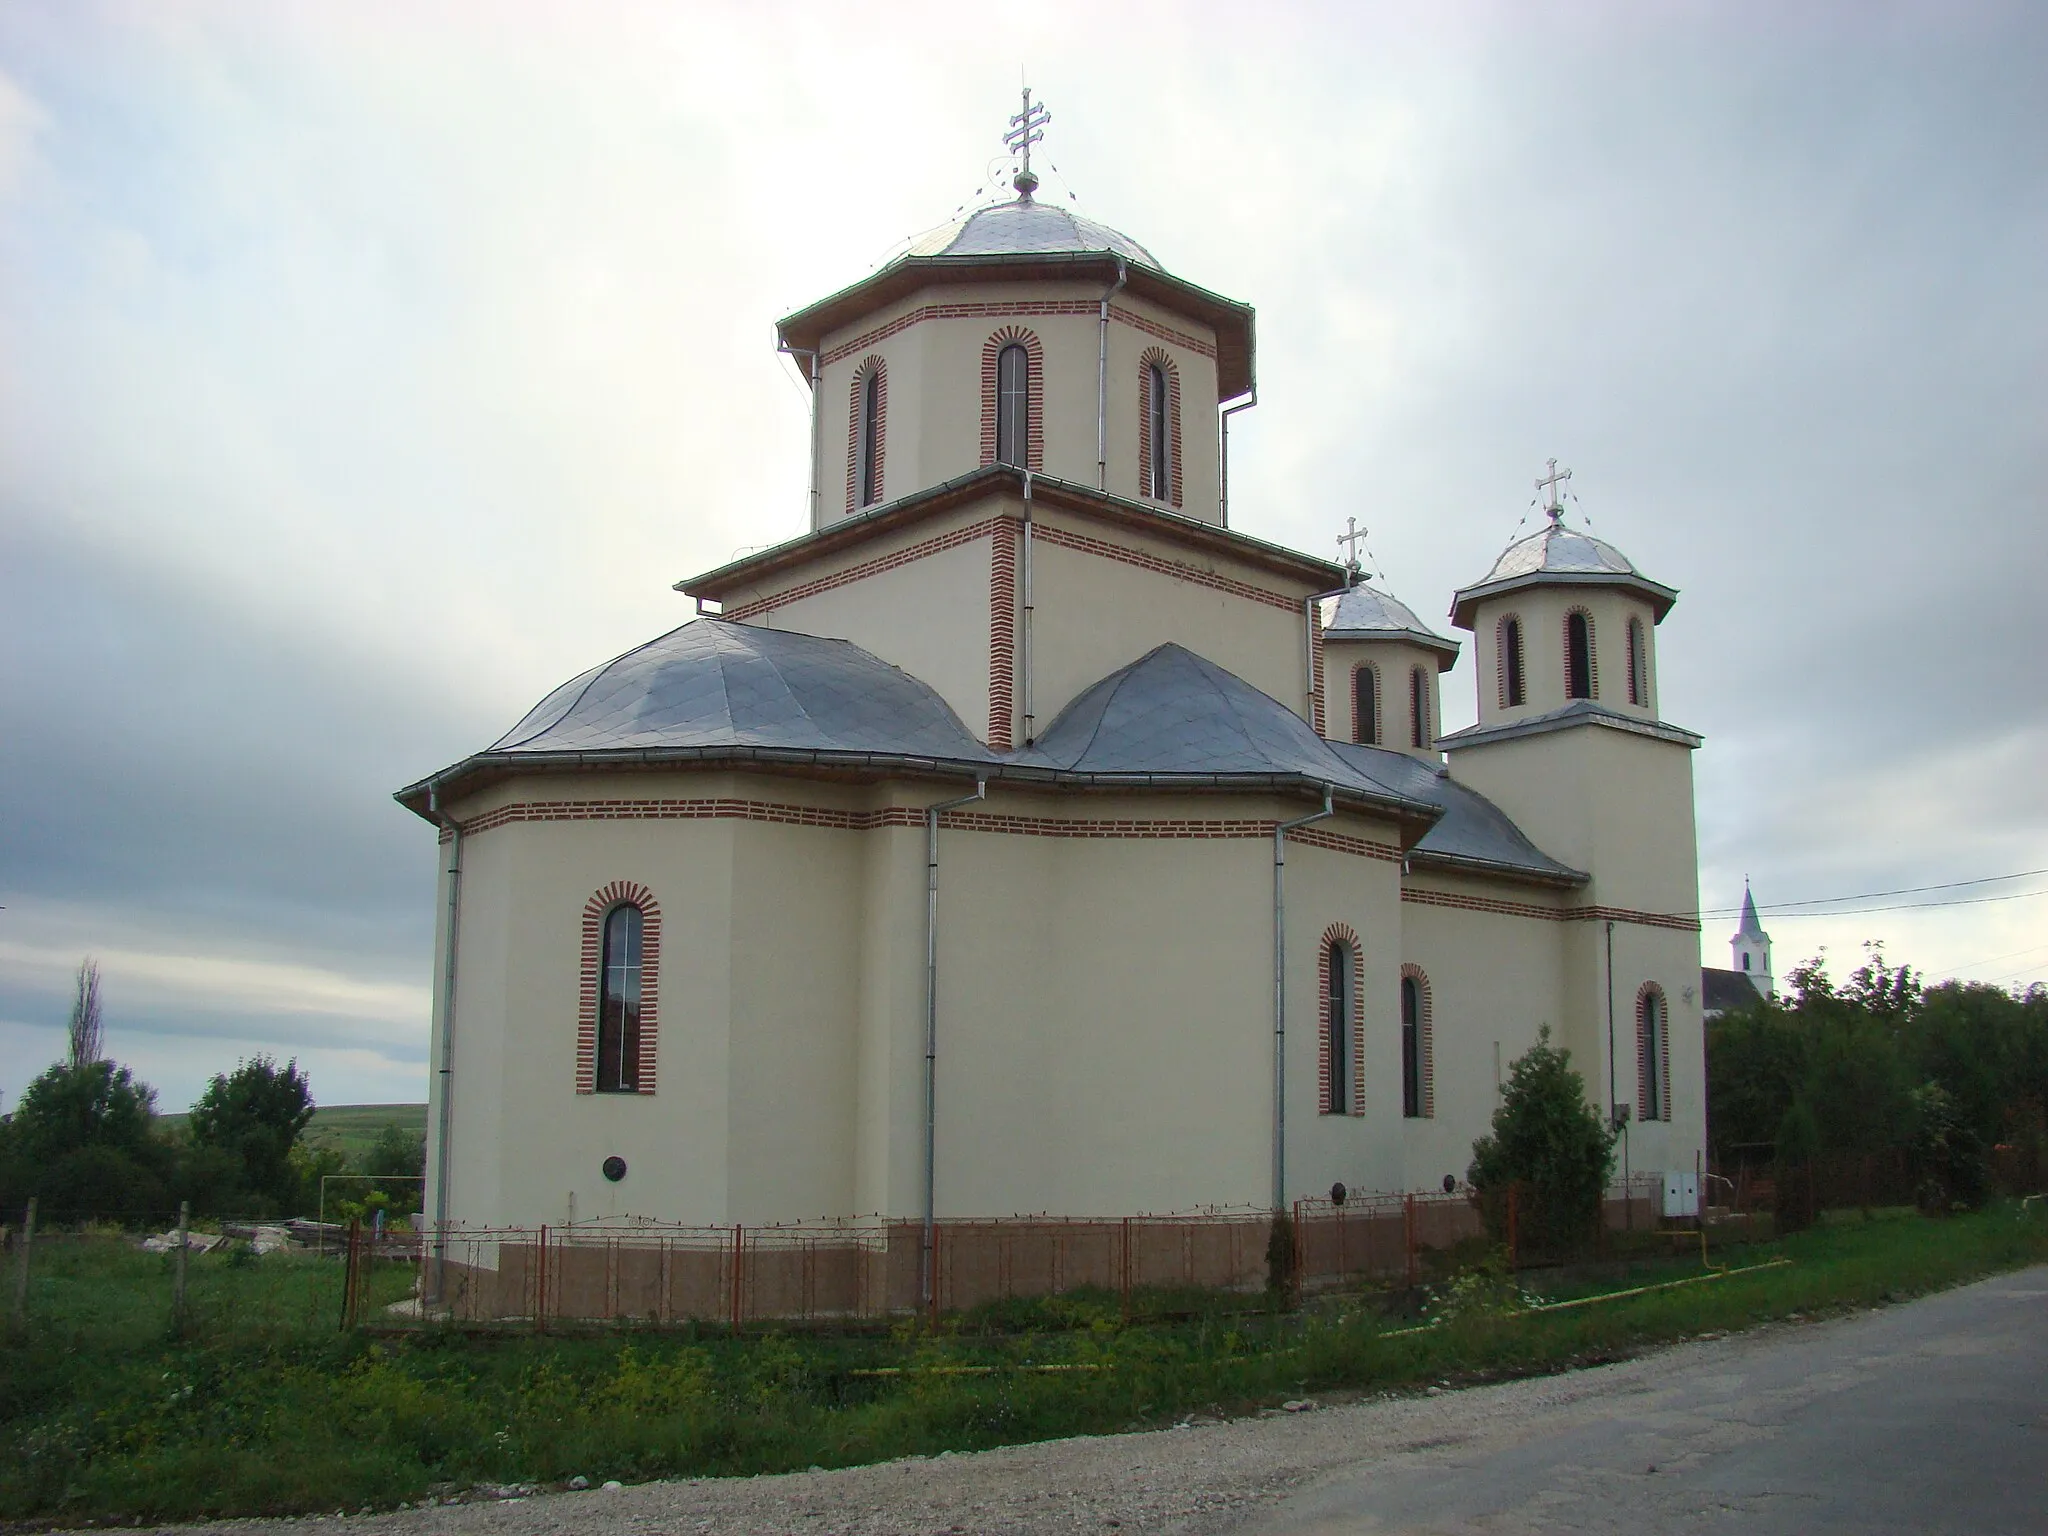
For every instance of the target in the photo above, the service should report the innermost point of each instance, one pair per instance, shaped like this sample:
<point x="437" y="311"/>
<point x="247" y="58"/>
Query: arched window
<point x="1158" y="473"/>
<point x="867" y="433"/>
<point x="1638" y="672"/>
<point x="1578" y="655"/>
<point x="1158" y="427"/>
<point x="1512" y="691"/>
<point x="618" y="1010"/>
<point x="1745" y="962"/>
<point x="616" y="1035"/>
<point x="1414" y="1053"/>
<point x="1365" y="705"/>
<point x="1418" y="709"/>
<point x="1339" y="1051"/>
<point x="1013" y="405"/>
<point x="1653" y="1053"/>
<point x="869" y="478"/>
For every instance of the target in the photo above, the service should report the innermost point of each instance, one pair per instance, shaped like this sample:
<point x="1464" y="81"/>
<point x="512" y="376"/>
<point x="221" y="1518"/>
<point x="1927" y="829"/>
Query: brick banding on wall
<point x="1425" y="1036"/>
<point x="937" y="544"/>
<point x="1047" y="533"/>
<point x="595" y="910"/>
<point x="1157" y="357"/>
<point x="1340" y="933"/>
<point x="871" y="366"/>
<point x="1016" y="309"/>
<point x="1002" y="633"/>
<point x="1034" y="394"/>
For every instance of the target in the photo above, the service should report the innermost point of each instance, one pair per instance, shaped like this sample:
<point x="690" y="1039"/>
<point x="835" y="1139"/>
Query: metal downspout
<point x="1280" y="832"/>
<point x="1024" y="639"/>
<point x="444" y="1120"/>
<point x="931" y="1029"/>
<point x="810" y="355"/>
<point x="1102" y="382"/>
<point x="1223" y="507"/>
<point x="1311" y="620"/>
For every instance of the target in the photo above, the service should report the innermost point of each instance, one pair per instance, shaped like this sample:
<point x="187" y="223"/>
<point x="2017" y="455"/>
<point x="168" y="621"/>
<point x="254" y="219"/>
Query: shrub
<point x="1948" y="1155"/>
<point x="1552" y="1145"/>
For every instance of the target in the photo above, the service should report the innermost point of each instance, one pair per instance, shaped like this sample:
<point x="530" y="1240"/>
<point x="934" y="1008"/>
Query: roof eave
<point x="1466" y="599"/>
<point x="1566" y="720"/>
<point x="1561" y="878"/>
<point x="1446" y="649"/>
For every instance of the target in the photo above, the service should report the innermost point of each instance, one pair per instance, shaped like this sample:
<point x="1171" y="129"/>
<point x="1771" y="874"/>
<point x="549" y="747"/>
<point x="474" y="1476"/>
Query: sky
<point x="368" y="369"/>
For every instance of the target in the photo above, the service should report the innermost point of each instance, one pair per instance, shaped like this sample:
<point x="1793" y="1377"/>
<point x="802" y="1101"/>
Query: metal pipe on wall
<point x="1280" y="831"/>
<point x="1102" y="382"/>
<point x="931" y="1029"/>
<point x="1223" y="456"/>
<point x="1024" y="639"/>
<point x="444" y="1118"/>
<point x="810" y="354"/>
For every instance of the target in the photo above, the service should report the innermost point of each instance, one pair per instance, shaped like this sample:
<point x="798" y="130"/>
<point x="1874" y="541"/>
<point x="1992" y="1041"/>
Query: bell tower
<point x="1751" y="948"/>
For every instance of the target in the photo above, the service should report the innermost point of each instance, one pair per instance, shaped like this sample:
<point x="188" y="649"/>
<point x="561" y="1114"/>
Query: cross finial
<point x="1026" y="129"/>
<point x="1348" y="541"/>
<point x="1549" y="486"/>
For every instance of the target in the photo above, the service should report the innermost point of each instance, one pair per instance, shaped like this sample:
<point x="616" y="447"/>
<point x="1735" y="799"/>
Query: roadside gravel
<point x="1199" y="1479"/>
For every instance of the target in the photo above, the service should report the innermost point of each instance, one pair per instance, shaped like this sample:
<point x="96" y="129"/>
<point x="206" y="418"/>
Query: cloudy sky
<point x="366" y="369"/>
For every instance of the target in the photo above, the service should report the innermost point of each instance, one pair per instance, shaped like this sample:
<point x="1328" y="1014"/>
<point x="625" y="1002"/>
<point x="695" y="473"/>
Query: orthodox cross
<point x="1348" y="541"/>
<point x="1548" y="485"/>
<point x="1026" y="129"/>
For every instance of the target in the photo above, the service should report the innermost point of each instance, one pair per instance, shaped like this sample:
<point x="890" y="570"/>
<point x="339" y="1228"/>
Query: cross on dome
<point x="1549" y="485"/>
<point x="1348" y="541"/>
<point x="1026" y="129"/>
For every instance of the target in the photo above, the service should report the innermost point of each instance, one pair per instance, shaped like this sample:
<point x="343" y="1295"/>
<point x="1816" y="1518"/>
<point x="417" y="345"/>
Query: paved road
<point x="1930" y="1417"/>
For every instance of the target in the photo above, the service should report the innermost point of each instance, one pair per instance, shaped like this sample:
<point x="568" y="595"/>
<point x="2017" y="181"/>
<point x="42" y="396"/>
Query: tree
<point x="257" y="1112"/>
<point x="399" y="1156"/>
<point x="83" y="1142"/>
<point x="1551" y="1143"/>
<point x="1948" y="1154"/>
<point x="87" y="1035"/>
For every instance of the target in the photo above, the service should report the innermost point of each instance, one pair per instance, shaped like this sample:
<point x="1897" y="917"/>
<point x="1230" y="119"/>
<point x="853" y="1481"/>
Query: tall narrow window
<point x="1365" y="707"/>
<point x="1159" y="462"/>
<point x="1338" y="1045"/>
<point x="1411" y="1047"/>
<point x="1638" y="679"/>
<point x="1578" y="656"/>
<point x="1512" y="692"/>
<point x="1653" y="1054"/>
<point x="618" y="1018"/>
<point x="869" y="473"/>
<point x="1418" y="709"/>
<point x="1013" y="405"/>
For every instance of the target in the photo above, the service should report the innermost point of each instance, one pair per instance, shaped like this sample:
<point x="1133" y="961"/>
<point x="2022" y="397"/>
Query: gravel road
<point x="1314" y="1469"/>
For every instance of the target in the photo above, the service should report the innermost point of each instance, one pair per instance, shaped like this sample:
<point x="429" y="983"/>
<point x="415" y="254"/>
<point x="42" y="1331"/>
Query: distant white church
<point x="1023" y="837"/>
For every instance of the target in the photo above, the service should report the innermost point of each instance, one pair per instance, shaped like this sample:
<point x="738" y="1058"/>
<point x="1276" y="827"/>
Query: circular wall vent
<point x="615" y="1168"/>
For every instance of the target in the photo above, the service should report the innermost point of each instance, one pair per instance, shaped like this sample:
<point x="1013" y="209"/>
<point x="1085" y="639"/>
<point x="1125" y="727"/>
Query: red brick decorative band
<point x="937" y="544"/>
<point x="1499" y="908"/>
<point x="1049" y="534"/>
<point x="1015" y="309"/>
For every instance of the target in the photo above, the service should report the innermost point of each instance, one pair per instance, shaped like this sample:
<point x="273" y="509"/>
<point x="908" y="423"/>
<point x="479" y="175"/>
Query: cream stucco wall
<point x="1542" y="611"/>
<point x="1395" y="661"/>
<point x="934" y="373"/>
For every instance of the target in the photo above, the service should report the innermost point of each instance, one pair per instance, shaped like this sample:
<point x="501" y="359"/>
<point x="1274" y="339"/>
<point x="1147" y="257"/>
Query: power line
<point x="1906" y="890"/>
<point x="1916" y="906"/>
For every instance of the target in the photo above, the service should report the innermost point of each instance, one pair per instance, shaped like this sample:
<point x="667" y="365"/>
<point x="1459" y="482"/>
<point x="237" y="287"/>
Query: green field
<point x="262" y="1405"/>
<point x="350" y="1129"/>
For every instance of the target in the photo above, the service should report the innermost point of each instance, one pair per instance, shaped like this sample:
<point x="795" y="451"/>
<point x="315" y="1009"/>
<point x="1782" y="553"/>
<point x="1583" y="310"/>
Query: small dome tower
<point x="1751" y="947"/>
<point x="1380" y="669"/>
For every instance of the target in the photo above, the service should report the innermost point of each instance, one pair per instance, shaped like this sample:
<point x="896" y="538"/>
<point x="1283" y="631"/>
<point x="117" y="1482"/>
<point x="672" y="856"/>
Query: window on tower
<point x="1638" y="672"/>
<point x="1013" y="406"/>
<point x="1418" y="708"/>
<point x="1512" y="691"/>
<point x="1411" y="1047"/>
<point x="1653" y="1053"/>
<point x="1578" y="655"/>
<point x="618" y="1018"/>
<point x="1338" y="1046"/>
<point x="1158" y="462"/>
<point x="1745" y="962"/>
<point x="869" y="475"/>
<point x="1365" y="707"/>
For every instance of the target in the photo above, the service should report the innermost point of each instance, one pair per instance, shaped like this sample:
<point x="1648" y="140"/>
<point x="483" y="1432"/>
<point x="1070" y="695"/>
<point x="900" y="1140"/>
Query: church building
<point x="1026" y="837"/>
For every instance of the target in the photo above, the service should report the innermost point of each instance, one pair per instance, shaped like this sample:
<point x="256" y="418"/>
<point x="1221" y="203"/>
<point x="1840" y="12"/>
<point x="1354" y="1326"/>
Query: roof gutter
<point x="1280" y="832"/>
<point x="1223" y="455"/>
<point x="1123" y="274"/>
<point x="811" y="372"/>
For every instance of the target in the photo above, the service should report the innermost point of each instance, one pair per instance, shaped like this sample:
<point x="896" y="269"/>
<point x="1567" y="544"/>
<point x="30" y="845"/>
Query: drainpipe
<point x="931" y="1027"/>
<point x="1311" y="620"/>
<point x="1024" y="640"/>
<point x="1224" y="477"/>
<point x="1280" y="832"/>
<point x="446" y="1030"/>
<point x="810" y="356"/>
<point x="1102" y="382"/>
<point x="1611" y="1097"/>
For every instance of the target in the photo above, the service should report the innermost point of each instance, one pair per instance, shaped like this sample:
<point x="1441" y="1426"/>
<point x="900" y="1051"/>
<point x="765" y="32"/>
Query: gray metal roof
<point x="1577" y="712"/>
<point x="1564" y="555"/>
<point x="712" y="683"/>
<point x="1026" y="227"/>
<point x="1725" y="991"/>
<point x="1751" y="928"/>
<point x="1366" y="613"/>
<point x="1472" y="831"/>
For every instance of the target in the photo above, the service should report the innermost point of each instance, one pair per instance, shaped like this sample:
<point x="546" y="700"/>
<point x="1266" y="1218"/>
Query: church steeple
<point x="1752" y="947"/>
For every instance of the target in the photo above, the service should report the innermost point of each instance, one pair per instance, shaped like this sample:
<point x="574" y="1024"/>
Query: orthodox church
<point x="1024" y="837"/>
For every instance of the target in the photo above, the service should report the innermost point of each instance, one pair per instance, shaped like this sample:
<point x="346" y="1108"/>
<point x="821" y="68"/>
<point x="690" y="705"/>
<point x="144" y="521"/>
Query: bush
<point x="1948" y="1155"/>
<point x="1550" y="1144"/>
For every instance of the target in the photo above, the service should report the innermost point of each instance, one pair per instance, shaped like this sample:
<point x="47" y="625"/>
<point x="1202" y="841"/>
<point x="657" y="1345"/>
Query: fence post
<point x="28" y="1236"/>
<point x="1408" y="1235"/>
<point x="1514" y="1250"/>
<point x="540" y="1283"/>
<point x="739" y="1241"/>
<point x="178" y="1268"/>
<point x="1127" y="1269"/>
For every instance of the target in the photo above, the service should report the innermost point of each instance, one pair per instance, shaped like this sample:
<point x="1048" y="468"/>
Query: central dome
<point x="1026" y="228"/>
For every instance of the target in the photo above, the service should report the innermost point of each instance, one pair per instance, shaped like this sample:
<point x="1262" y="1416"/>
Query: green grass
<point x="263" y="1406"/>
<point x="350" y="1129"/>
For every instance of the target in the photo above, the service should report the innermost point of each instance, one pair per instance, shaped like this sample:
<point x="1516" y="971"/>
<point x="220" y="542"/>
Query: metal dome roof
<point x="1366" y="613"/>
<point x="1025" y="227"/>
<point x="1565" y="556"/>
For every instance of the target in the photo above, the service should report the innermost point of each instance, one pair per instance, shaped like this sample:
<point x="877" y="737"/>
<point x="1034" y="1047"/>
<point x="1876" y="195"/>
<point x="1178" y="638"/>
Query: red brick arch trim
<point x="619" y="893"/>
<point x="1034" y="394"/>
<point x="1425" y="1035"/>
<point x="1500" y="655"/>
<point x="1638" y="645"/>
<point x="1150" y="358"/>
<point x="1564" y="639"/>
<point x="1653" y="1054"/>
<point x="1339" y="933"/>
<point x="871" y="365"/>
<point x="1358" y="726"/>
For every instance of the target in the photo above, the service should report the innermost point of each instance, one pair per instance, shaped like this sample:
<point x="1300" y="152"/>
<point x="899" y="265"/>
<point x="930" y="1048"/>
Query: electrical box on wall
<point x="1681" y="1195"/>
